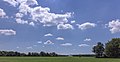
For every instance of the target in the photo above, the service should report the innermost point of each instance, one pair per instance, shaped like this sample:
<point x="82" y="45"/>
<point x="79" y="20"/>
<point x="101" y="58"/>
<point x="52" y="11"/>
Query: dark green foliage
<point x="12" y="53"/>
<point x="112" y="48"/>
<point x="99" y="49"/>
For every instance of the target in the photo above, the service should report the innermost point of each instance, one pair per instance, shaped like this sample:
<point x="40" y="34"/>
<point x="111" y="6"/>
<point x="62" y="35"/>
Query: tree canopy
<point x="112" y="48"/>
<point x="12" y="53"/>
<point x="98" y="49"/>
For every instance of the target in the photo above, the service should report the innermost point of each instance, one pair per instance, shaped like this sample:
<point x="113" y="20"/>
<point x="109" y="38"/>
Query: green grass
<point x="57" y="59"/>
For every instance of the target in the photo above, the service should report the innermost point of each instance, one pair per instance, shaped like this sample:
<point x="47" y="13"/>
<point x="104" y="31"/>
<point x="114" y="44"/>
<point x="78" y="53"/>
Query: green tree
<point x="42" y="53"/>
<point x="53" y="54"/>
<point x="112" y="48"/>
<point x="99" y="49"/>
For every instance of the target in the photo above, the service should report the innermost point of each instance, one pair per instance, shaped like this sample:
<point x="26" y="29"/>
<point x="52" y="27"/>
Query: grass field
<point x="57" y="59"/>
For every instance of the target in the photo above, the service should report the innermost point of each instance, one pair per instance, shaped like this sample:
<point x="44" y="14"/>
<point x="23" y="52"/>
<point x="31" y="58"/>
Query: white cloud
<point x="23" y="8"/>
<point x="26" y="2"/>
<point x="7" y="32"/>
<point x="29" y="47"/>
<point x="2" y="13"/>
<point x="59" y="38"/>
<point x="41" y="15"/>
<point x="39" y="42"/>
<point x="87" y="39"/>
<point x="12" y="2"/>
<point x="114" y="26"/>
<point x="44" y="16"/>
<point x="31" y="2"/>
<point x="83" y="45"/>
<point x="72" y="21"/>
<point x="86" y="25"/>
<point x="32" y="24"/>
<point x="19" y="15"/>
<point x="48" y="42"/>
<point x="66" y="44"/>
<point x="20" y="21"/>
<point x="105" y="25"/>
<point x="64" y="26"/>
<point x="21" y="1"/>
<point x="49" y="34"/>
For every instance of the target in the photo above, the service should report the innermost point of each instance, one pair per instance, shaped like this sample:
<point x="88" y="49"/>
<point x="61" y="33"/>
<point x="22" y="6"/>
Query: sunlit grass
<point x="57" y="59"/>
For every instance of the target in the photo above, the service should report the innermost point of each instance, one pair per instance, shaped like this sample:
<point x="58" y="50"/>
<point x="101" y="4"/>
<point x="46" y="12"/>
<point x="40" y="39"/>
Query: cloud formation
<point x="86" y="25"/>
<point x="17" y="2"/>
<point x="83" y="45"/>
<point x="66" y="44"/>
<point x="39" y="42"/>
<point x="19" y="15"/>
<point x="12" y="2"/>
<point x="32" y="23"/>
<point x="114" y="26"/>
<point x="87" y="39"/>
<point x="64" y="26"/>
<point x="37" y="14"/>
<point x="7" y="32"/>
<point x="59" y="38"/>
<point x="20" y="21"/>
<point x="49" y="34"/>
<point x="48" y="42"/>
<point x="43" y="15"/>
<point x="2" y="13"/>
<point x="72" y="22"/>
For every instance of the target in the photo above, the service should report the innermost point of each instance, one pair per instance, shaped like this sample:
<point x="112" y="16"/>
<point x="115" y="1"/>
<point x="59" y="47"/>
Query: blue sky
<point x="62" y="26"/>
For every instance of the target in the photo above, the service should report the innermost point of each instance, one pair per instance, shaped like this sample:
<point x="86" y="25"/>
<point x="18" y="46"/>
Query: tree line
<point x="111" y="49"/>
<point x="12" y="53"/>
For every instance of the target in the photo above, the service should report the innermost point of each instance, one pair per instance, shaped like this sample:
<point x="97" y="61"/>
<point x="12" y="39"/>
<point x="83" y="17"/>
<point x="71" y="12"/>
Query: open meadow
<point x="57" y="59"/>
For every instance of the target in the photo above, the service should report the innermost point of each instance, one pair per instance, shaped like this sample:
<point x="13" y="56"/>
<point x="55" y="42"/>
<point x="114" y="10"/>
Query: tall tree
<point x="99" y="49"/>
<point x="112" y="48"/>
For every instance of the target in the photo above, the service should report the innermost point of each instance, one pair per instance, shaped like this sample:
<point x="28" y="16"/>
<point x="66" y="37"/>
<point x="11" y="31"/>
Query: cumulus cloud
<point x="59" y="38"/>
<point x="66" y="44"/>
<point x="39" y="42"/>
<point x="7" y="32"/>
<point x="19" y="15"/>
<point x="49" y="34"/>
<point x="12" y="2"/>
<point x="48" y="42"/>
<point x="29" y="2"/>
<point x="20" y="21"/>
<point x="26" y="2"/>
<point x="2" y="13"/>
<point x="64" y="26"/>
<point x="23" y="8"/>
<point x="83" y="45"/>
<point x="86" y="25"/>
<point x="41" y="15"/>
<point x="114" y="26"/>
<point x="87" y="39"/>
<point x="72" y="21"/>
<point x="32" y="24"/>
<point x="44" y="16"/>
